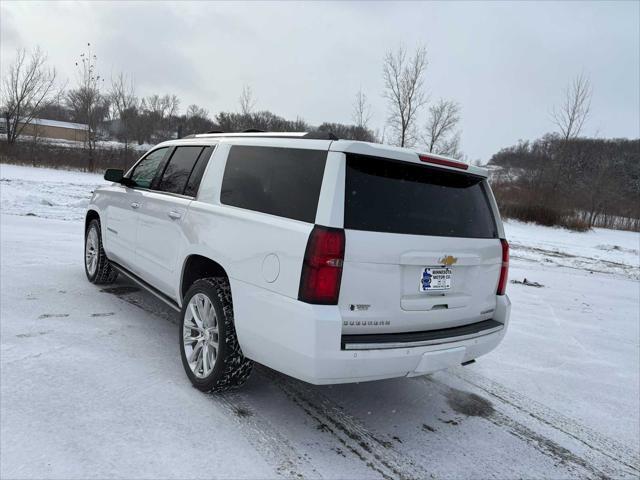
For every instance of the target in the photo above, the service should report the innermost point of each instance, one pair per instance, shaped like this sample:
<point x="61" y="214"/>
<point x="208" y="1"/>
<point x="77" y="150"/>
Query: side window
<point x="196" y="175"/>
<point x="144" y="172"/>
<point x="175" y="176"/>
<point x="280" y="181"/>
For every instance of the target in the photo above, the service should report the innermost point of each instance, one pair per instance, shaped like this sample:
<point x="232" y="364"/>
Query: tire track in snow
<point x="376" y="452"/>
<point x="266" y="439"/>
<point x="261" y="435"/>
<point x="591" y="439"/>
<point x="134" y="295"/>
<point x="577" y="262"/>
<point x="546" y="446"/>
<point x="619" y="462"/>
<point x="472" y="405"/>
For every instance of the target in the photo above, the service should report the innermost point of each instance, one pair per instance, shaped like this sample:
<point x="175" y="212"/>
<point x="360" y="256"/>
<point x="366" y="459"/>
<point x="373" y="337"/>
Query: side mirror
<point x="113" y="175"/>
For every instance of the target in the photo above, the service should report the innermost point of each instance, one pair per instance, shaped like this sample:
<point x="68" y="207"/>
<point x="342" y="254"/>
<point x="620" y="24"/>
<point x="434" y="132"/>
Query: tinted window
<point x="398" y="197"/>
<point x="178" y="169"/>
<point x="280" y="181"/>
<point x="198" y="171"/>
<point x="147" y="168"/>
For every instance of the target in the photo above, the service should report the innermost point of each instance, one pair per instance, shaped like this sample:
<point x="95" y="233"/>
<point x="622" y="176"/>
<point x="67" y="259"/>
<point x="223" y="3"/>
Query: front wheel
<point x="96" y="263"/>
<point x="209" y="348"/>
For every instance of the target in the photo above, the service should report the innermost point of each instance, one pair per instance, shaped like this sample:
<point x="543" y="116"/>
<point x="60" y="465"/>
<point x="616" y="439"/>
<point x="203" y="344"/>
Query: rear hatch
<point x="422" y="247"/>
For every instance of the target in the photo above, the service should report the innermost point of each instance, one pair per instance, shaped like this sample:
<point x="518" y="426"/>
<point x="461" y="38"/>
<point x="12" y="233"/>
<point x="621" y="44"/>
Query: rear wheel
<point x="96" y="263"/>
<point x="209" y="348"/>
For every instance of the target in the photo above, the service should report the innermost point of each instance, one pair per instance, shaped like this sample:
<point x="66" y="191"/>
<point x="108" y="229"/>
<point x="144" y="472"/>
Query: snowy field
<point x="91" y="384"/>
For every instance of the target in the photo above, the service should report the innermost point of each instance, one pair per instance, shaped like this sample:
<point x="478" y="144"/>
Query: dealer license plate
<point x="435" y="278"/>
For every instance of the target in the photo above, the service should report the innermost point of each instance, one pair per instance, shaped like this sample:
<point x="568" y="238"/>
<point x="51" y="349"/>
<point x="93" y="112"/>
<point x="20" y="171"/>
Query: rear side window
<point x="280" y="181"/>
<point x="399" y="197"/>
<point x="198" y="170"/>
<point x="178" y="169"/>
<point x="145" y="171"/>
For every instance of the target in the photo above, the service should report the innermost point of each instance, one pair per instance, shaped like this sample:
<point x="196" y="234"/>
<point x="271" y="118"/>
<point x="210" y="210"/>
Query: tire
<point x="211" y="366"/>
<point x="96" y="263"/>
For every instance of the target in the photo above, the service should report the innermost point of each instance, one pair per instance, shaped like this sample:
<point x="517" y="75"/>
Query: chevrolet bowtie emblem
<point x="448" y="260"/>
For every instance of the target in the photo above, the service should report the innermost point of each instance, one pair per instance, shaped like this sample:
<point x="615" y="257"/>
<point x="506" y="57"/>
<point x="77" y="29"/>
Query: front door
<point x="121" y="223"/>
<point x="124" y="207"/>
<point x="160" y="235"/>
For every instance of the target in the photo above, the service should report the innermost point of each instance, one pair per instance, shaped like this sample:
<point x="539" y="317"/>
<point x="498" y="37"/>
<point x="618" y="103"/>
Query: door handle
<point x="174" y="215"/>
<point x="135" y="205"/>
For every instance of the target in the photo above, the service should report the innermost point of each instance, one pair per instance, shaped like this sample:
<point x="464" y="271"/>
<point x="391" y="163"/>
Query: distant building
<point x="40" y="127"/>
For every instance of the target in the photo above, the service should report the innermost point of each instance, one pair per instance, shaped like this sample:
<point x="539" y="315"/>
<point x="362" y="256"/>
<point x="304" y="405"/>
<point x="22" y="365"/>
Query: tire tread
<point x="105" y="273"/>
<point x="237" y="368"/>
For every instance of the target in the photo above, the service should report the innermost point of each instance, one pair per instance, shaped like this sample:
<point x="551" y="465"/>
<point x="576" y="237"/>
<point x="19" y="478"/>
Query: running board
<point x="152" y="290"/>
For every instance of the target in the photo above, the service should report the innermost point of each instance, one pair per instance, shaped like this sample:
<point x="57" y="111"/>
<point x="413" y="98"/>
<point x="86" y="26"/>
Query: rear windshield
<point x="399" y="197"/>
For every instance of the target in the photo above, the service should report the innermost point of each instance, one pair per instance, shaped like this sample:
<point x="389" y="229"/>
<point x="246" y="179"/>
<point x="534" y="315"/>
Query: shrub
<point x="44" y="154"/>
<point x="575" y="223"/>
<point x="532" y="213"/>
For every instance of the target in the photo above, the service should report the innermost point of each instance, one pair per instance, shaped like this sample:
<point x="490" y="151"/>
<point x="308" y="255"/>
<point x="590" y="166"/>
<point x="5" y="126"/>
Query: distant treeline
<point x="560" y="179"/>
<point x="155" y="119"/>
<point x="31" y="89"/>
<point x="578" y="183"/>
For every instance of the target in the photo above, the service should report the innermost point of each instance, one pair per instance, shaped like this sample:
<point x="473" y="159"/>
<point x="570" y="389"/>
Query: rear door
<point x="159" y="236"/>
<point x="422" y="247"/>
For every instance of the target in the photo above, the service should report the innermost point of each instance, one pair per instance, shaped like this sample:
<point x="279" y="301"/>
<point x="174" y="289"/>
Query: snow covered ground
<point x="91" y="384"/>
<point x="46" y="192"/>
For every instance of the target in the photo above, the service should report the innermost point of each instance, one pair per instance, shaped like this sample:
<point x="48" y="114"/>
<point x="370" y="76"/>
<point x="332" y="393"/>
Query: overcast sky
<point x="506" y="63"/>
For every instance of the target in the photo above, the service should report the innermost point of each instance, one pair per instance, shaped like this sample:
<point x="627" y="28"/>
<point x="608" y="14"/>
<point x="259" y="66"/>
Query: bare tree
<point x="196" y="120"/>
<point x="160" y="114"/>
<point x="125" y="105"/>
<point x="570" y="116"/>
<point x="196" y="111"/>
<point x="86" y="102"/>
<point x="404" y="89"/>
<point x="27" y="88"/>
<point x="361" y="110"/>
<point x="165" y="106"/>
<point x="247" y="100"/>
<point x="442" y="136"/>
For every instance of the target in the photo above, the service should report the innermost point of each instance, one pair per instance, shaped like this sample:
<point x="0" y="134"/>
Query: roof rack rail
<point x="254" y="132"/>
<point x="321" y="135"/>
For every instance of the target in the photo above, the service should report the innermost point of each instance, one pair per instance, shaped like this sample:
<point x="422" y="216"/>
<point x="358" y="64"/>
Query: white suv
<point x="328" y="260"/>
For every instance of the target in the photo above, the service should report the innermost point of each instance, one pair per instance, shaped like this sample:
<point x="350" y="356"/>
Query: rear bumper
<point x="304" y="341"/>
<point x="420" y="339"/>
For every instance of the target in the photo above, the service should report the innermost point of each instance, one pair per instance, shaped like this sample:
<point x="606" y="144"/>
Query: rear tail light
<point x="441" y="161"/>
<point x="322" y="267"/>
<point x="504" y="270"/>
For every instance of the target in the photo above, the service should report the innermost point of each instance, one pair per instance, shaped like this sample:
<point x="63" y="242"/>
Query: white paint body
<point x="262" y="255"/>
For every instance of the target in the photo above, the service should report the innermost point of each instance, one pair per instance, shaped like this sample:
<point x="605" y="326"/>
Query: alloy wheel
<point x="91" y="251"/>
<point x="200" y="335"/>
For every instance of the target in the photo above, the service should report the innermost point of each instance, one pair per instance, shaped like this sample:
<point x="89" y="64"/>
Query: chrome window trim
<point x="161" y="192"/>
